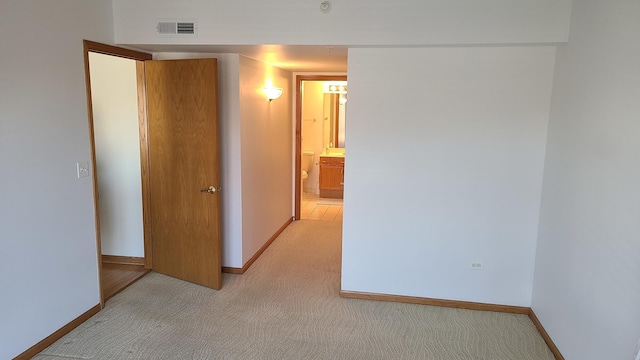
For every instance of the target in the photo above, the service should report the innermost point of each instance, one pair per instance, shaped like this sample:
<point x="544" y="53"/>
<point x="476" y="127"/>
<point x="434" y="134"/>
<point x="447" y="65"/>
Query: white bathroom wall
<point x="266" y="147"/>
<point x="445" y="170"/>
<point x="313" y="125"/>
<point x="114" y="93"/>
<point x="354" y="22"/>
<point x="230" y="151"/>
<point x="49" y="268"/>
<point x="587" y="282"/>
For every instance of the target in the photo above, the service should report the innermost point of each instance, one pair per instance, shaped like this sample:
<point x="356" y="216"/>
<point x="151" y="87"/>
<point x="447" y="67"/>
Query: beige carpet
<point x="287" y="307"/>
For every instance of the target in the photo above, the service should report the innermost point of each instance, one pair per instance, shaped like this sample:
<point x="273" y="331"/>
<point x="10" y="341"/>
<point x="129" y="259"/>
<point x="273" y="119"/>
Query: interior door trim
<point x="140" y="57"/>
<point x="298" y="150"/>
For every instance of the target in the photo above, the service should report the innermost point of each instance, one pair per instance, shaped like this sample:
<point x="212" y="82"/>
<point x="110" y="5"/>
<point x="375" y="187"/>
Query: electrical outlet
<point x="476" y="265"/>
<point x="82" y="169"/>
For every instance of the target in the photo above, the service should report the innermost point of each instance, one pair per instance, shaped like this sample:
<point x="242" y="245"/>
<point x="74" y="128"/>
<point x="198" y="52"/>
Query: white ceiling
<point x="299" y="58"/>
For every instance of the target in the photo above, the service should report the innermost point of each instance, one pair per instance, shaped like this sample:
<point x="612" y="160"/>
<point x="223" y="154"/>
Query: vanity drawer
<point x="325" y="160"/>
<point x="337" y="161"/>
<point x="331" y="161"/>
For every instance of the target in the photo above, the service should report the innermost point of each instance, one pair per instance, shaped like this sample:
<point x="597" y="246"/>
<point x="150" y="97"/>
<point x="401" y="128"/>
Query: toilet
<point x="306" y="164"/>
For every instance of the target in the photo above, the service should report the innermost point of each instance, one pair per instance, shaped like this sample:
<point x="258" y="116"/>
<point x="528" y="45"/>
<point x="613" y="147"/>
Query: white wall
<point x="230" y="151"/>
<point x="49" y="270"/>
<point x="313" y="129"/>
<point x="445" y="168"/>
<point x="114" y="93"/>
<point x="587" y="280"/>
<point x="355" y="22"/>
<point x="266" y="147"/>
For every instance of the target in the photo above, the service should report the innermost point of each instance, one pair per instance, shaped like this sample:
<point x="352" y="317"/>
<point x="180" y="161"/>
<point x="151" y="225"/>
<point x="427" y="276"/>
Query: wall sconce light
<point x="273" y="93"/>
<point x="335" y="87"/>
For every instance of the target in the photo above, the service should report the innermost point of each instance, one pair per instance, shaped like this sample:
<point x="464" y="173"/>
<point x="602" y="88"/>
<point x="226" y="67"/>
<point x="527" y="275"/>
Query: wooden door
<point x="183" y="164"/>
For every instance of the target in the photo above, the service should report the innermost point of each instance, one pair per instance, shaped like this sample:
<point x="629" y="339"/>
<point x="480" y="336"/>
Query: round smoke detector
<point x="325" y="7"/>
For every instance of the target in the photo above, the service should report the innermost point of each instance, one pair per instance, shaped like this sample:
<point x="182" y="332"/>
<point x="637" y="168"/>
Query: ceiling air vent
<point x="176" y="28"/>
<point x="186" y="28"/>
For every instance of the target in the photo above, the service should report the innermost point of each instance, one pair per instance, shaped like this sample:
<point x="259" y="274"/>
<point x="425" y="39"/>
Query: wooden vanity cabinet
<point x="331" y="177"/>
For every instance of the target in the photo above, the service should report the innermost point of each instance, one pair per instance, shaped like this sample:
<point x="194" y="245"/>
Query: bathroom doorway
<point x="320" y="146"/>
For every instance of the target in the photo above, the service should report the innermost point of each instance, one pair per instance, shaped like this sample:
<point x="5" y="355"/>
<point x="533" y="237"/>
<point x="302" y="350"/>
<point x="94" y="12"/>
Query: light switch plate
<point x="82" y="169"/>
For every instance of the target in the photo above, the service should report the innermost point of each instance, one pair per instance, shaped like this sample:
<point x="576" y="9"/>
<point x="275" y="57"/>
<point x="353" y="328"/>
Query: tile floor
<point x="313" y="207"/>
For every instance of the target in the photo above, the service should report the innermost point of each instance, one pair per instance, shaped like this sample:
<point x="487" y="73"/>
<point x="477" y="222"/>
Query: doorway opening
<point x="175" y="131"/>
<point x="319" y="146"/>
<point x="117" y="126"/>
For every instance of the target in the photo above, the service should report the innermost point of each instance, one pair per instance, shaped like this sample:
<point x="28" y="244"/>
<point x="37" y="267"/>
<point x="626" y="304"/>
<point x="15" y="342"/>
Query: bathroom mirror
<point x="334" y="120"/>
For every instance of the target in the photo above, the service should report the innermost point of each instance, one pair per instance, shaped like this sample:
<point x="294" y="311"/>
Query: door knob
<point x="210" y="190"/>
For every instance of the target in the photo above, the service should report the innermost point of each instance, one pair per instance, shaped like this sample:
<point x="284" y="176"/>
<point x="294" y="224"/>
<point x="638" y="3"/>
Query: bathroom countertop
<point x="332" y="154"/>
